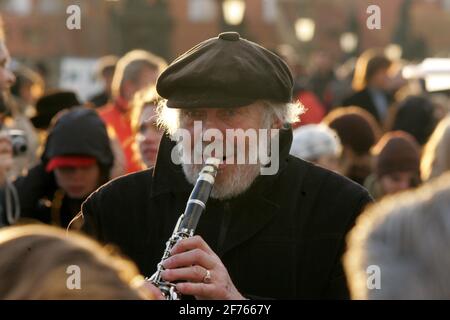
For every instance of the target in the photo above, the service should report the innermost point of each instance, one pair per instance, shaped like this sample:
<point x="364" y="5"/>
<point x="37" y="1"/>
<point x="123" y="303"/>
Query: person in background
<point x="136" y="70"/>
<point x="50" y="104"/>
<point x="77" y="159"/>
<point x="315" y="110"/>
<point x="7" y="78"/>
<point x="396" y="165"/>
<point x="358" y="132"/>
<point x="25" y="275"/>
<point x="319" y="144"/>
<point x="105" y="72"/>
<point x="415" y="115"/>
<point x="29" y="87"/>
<point x="341" y="87"/>
<point x="436" y="153"/>
<point x="322" y="78"/>
<point x="144" y="122"/>
<point x="371" y="83"/>
<point x="401" y="243"/>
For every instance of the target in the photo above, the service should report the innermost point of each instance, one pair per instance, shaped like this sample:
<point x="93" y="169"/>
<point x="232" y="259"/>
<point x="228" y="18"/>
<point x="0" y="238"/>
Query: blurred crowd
<point x="363" y="121"/>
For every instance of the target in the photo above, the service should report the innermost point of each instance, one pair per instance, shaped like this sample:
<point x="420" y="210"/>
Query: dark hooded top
<point x="78" y="132"/>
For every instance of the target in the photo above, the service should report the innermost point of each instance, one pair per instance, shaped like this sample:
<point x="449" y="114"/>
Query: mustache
<point x="207" y="149"/>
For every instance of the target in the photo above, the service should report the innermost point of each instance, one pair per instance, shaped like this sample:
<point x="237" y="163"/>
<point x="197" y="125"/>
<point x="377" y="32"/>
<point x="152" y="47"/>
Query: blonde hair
<point x="2" y="30"/>
<point x="34" y="260"/>
<point x="130" y="66"/>
<point x="436" y="155"/>
<point x="406" y="236"/>
<point x="367" y="64"/>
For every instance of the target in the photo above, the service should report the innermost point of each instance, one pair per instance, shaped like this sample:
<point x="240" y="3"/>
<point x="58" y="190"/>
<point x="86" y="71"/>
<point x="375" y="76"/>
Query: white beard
<point x="236" y="181"/>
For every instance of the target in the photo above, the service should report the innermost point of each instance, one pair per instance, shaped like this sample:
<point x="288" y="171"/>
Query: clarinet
<point x="187" y="223"/>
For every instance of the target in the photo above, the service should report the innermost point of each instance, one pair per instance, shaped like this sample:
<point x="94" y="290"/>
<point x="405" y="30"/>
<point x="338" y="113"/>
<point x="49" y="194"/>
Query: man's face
<point x="78" y="182"/>
<point x="6" y="77"/>
<point x="380" y="79"/>
<point x="232" y="179"/>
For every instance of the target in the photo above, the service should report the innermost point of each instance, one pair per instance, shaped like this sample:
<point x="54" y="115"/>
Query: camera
<point x="18" y="141"/>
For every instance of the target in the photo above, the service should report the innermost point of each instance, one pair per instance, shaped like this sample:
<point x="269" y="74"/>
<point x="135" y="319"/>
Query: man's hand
<point x="6" y="157"/>
<point x="150" y="291"/>
<point x="190" y="261"/>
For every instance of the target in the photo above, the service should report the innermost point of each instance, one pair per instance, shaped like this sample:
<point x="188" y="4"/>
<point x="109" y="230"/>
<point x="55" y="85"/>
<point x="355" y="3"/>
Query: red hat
<point x="69" y="161"/>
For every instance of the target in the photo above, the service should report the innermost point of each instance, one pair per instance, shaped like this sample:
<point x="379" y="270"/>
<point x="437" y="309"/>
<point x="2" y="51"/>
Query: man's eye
<point x="230" y="112"/>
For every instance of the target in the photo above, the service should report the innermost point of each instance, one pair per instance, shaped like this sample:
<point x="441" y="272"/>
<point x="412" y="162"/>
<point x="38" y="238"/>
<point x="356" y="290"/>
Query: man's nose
<point x="77" y="174"/>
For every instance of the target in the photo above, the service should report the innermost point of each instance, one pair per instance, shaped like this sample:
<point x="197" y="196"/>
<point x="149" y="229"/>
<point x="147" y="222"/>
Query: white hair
<point x="170" y="118"/>
<point x="406" y="236"/>
<point x="436" y="154"/>
<point x="312" y="141"/>
<point x="285" y="112"/>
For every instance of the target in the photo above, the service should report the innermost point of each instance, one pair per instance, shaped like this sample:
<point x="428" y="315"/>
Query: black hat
<point x="50" y="104"/>
<point x="226" y="71"/>
<point x="79" y="132"/>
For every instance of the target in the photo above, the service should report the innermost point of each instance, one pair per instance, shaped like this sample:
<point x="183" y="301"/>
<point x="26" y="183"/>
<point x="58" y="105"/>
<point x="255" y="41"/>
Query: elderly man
<point x="277" y="233"/>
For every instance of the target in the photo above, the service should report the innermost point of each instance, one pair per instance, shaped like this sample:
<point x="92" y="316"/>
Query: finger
<point x="190" y="244"/>
<point x="189" y="258"/>
<point x="191" y="274"/>
<point x="153" y="292"/>
<point x="200" y="290"/>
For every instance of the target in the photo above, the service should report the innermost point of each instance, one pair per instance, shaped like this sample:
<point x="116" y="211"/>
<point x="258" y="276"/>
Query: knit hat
<point x="396" y="151"/>
<point x="312" y="141"/>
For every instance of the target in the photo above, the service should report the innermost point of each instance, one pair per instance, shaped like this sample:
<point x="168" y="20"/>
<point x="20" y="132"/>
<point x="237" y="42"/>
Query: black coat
<point x="42" y="200"/>
<point x="364" y="100"/>
<point x="283" y="238"/>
